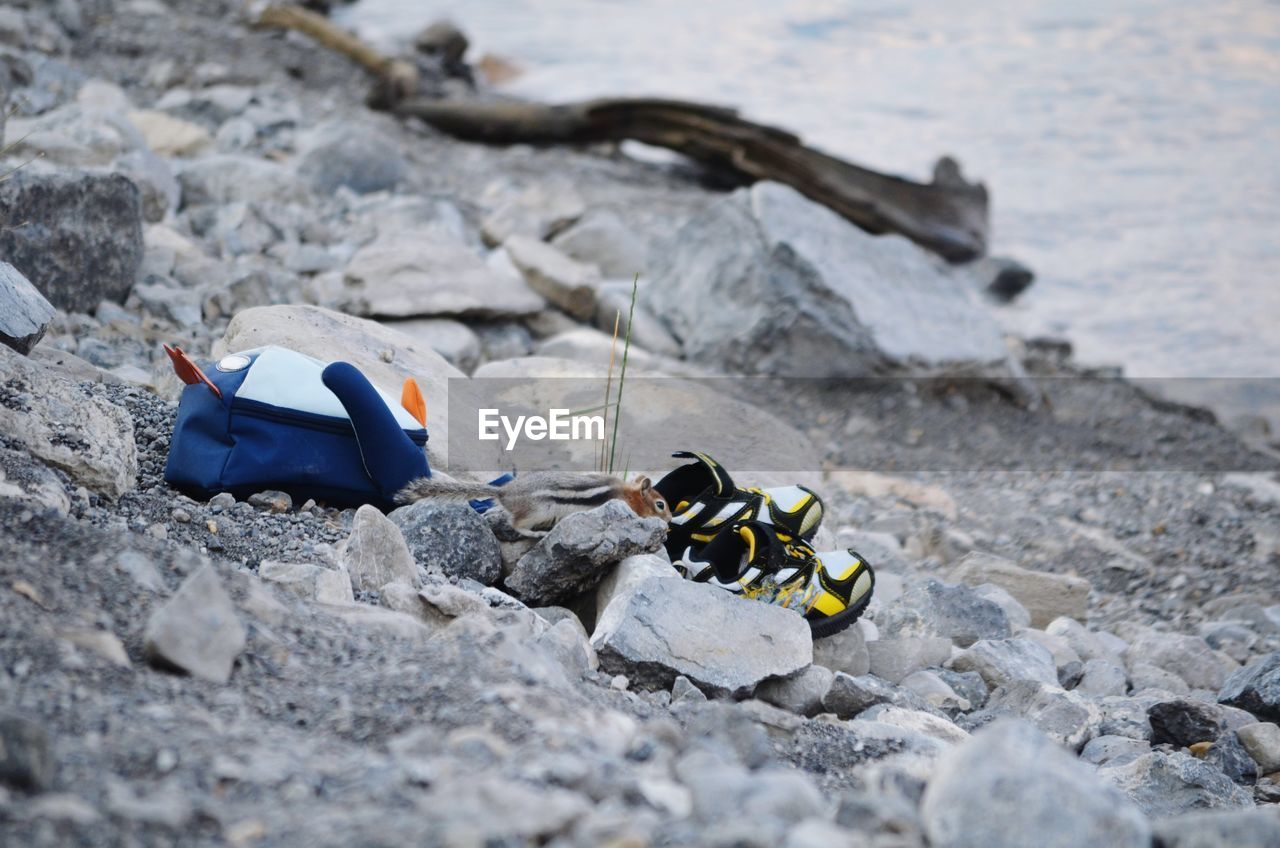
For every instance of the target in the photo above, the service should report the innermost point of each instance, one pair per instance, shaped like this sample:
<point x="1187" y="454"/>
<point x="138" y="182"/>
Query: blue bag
<point x="272" y="418"/>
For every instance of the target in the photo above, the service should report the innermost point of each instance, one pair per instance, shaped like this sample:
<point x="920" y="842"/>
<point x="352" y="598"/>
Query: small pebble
<point x="620" y="682"/>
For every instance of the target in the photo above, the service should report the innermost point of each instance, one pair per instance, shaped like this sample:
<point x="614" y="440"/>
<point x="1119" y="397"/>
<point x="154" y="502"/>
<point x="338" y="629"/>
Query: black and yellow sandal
<point x="704" y="500"/>
<point x="755" y="560"/>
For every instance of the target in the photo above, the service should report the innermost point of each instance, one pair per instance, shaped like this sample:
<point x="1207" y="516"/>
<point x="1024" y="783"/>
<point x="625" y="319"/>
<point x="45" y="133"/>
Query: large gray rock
<point x="934" y="608"/>
<point x="76" y="237"/>
<point x="663" y="628"/>
<point x="375" y="553"/>
<point x="197" y="630"/>
<point x="576" y="553"/>
<point x="1046" y="596"/>
<point x="451" y="537"/>
<point x="83" y="434"/>
<point x="1238" y="828"/>
<point x="1165" y="785"/>
<point x="24" y="312"/>
<point x="1189" y="657"/>
<point x="1004" y="661"/>
<point x="425" y="272"/>
<point x="1255" y="688"/>
<point x="630" y="572"/>
<point x="1010" y="784"/>
<point x="767" y="281"/>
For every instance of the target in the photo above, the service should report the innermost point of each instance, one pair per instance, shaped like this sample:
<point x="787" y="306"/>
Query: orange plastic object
<point x="187" y="371"/>
<point x="412" y="400"/>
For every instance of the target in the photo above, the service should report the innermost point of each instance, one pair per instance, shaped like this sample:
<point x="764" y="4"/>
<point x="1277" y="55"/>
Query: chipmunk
<point x="536" y="501"/>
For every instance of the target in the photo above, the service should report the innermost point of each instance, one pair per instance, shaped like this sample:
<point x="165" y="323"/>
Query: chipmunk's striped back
<point x="539" y="499"/>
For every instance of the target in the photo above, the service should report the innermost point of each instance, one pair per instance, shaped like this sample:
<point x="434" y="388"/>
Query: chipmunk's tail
<point x="435" y="487"/>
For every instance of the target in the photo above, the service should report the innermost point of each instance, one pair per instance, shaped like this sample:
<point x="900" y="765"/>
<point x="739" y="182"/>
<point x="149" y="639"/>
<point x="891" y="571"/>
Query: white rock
<point x="663" y="628"/>
<point x="197" y="630"/>
<point x="376" y="553"/>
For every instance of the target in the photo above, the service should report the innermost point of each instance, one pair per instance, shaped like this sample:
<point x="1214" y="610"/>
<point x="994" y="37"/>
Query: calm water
<point x="1132" y="148"/>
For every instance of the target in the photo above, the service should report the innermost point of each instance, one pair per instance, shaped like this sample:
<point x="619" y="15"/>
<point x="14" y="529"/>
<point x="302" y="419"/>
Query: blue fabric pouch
<point x="272" y="418"/>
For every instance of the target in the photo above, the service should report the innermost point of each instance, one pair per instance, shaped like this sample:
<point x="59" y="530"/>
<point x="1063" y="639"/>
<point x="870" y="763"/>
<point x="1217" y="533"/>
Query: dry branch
<point x="947" y="215"/>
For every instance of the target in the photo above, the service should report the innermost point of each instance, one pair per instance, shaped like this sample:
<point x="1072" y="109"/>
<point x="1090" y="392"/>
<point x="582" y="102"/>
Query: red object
<point x="187" y="371"/>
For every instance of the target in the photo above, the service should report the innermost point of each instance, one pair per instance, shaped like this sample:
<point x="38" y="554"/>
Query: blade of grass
<point x="613" y="351"/>
<point x="622" y="375"/>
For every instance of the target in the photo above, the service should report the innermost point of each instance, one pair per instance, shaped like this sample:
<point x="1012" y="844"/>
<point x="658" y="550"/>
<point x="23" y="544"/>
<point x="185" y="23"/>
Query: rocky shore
<point x="1055" y="654"/>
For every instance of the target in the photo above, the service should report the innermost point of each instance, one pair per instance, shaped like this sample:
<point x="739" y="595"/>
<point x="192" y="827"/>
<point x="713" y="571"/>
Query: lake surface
<point x="1132" y="149"/>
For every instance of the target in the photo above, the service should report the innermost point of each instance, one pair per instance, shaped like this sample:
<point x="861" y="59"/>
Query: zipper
<point x="308" y="420"/>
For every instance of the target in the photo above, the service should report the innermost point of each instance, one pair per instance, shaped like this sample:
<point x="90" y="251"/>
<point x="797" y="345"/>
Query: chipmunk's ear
<point x="644" y="484"/>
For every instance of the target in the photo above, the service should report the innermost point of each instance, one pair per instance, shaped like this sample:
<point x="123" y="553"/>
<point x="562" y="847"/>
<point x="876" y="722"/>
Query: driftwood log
<point x="947" y="215"/>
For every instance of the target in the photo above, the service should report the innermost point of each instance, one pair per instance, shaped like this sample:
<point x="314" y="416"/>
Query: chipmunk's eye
<point x="659" y="504"/>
